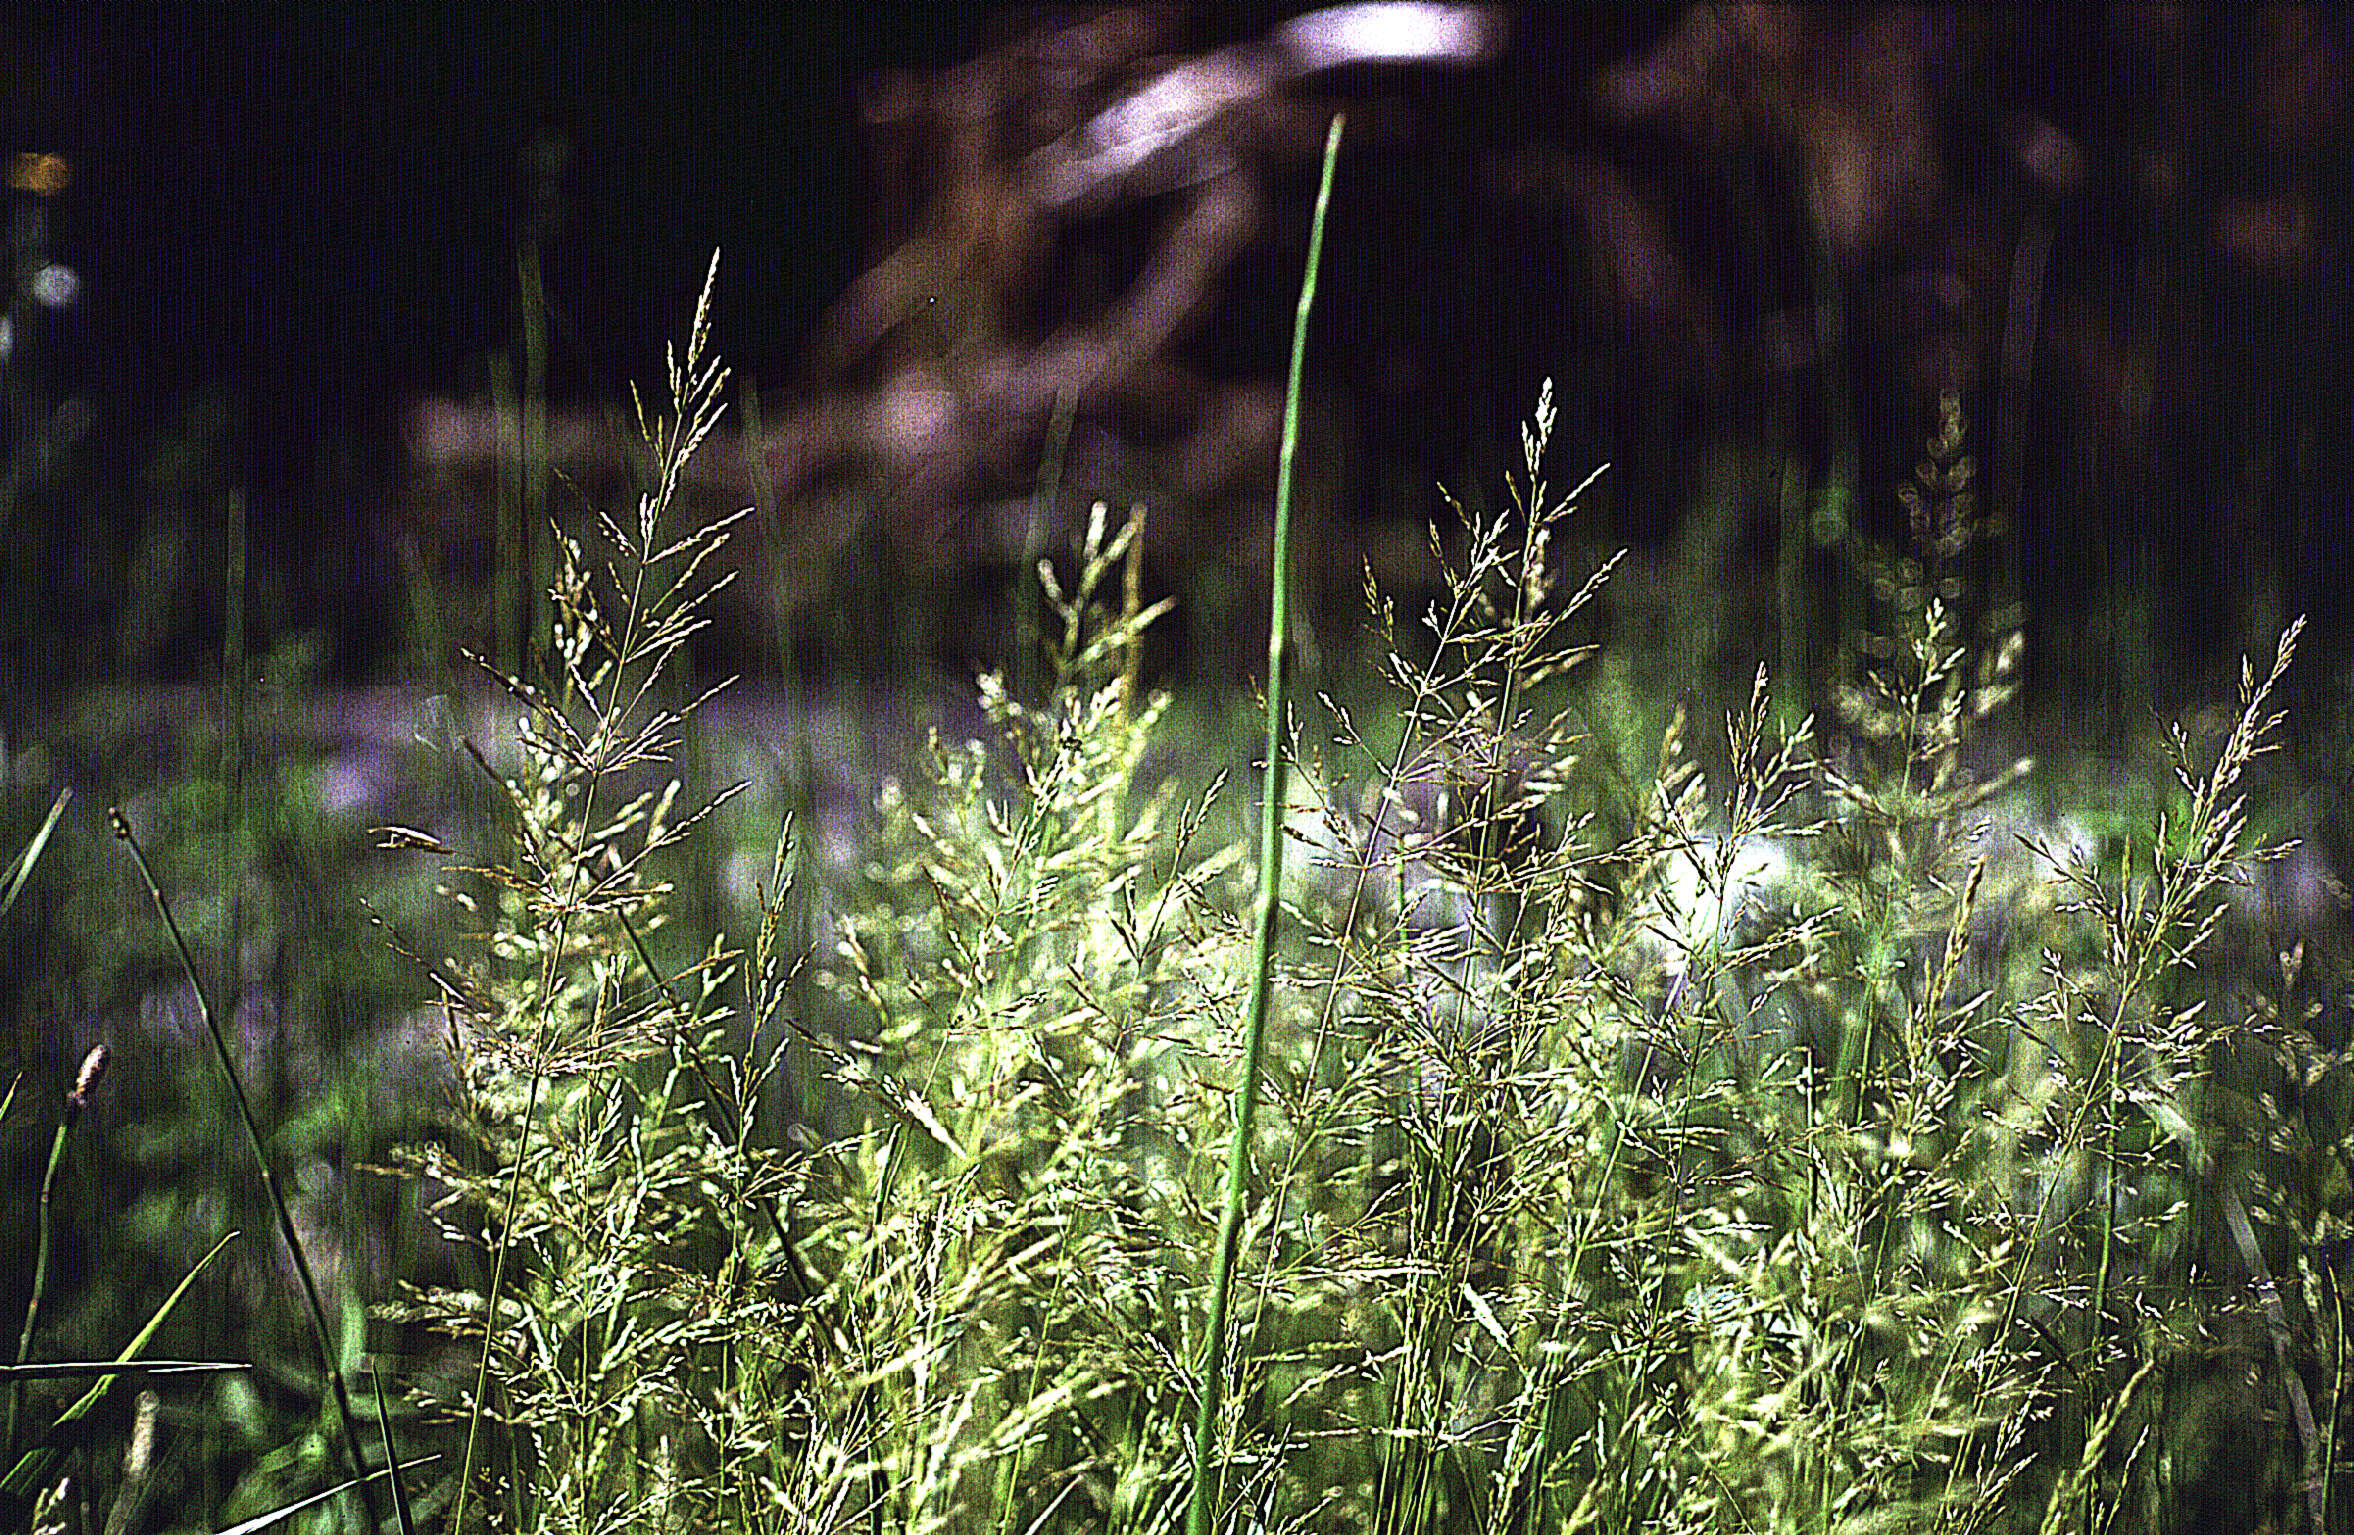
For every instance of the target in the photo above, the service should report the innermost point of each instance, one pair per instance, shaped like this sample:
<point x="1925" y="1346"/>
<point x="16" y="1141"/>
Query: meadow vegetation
<point x="1825" y="1141"/>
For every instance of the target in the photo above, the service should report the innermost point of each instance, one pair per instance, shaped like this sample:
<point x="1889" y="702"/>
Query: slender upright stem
<point x="329" y="1364"/>
<point x="1207" y="1462"/>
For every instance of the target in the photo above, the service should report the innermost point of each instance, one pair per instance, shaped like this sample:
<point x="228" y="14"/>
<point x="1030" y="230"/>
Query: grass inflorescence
<point x="1712" y="1160"/>
<point x="1804" y="1144"/>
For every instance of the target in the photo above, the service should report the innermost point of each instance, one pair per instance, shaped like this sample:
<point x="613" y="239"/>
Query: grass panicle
<point x="1649" y="1149"/>
<point x="1798" y="1126"/>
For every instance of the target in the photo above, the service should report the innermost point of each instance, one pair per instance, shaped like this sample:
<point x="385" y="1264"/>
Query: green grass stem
<point x="32" y="1470"/>
<point x="20" y="868"/>
<point x="330" y="1368"/>
<point x="76" y="1099"/>
<point x="1208" y="1464"/>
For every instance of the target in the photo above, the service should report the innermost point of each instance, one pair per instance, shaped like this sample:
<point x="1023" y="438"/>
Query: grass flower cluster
<point x="1720" y="1172"/>
<point x="1766" y="1150"/>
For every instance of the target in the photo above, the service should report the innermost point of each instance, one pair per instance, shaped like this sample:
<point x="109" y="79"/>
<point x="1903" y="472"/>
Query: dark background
<point x="2117" y="234"/>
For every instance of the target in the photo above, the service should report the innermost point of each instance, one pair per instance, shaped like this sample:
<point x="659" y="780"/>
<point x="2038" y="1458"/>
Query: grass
<point x="1785" y="1146"/>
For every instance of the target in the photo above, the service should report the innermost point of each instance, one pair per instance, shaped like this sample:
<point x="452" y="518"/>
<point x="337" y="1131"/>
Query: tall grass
<point x="1208" y="1453"/>
<point x="1780" y="1154"/>
<point x="1786" y="1149"/>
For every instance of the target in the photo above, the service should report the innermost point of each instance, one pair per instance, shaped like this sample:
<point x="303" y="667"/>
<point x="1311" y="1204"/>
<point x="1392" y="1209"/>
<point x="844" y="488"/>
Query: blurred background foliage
<point x="319" y="268"/>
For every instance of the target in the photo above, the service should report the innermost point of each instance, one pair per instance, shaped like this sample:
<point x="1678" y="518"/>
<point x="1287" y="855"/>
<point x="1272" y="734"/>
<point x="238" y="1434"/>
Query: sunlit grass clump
<point x="1718" y="1162"/>
<point x="1783" y="1150"/>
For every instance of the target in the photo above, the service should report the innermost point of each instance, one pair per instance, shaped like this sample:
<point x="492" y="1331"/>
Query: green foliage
<point x="1710" y="1169"/>
<point x="1814" y="1142"/>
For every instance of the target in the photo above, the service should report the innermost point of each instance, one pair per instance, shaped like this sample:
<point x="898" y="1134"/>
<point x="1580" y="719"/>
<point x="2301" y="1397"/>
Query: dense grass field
<point x="1654" y="1121"/>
